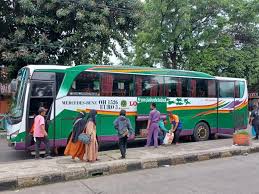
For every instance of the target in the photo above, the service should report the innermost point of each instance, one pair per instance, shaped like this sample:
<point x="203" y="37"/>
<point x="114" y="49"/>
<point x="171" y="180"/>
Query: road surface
<point x="235" y="175"/>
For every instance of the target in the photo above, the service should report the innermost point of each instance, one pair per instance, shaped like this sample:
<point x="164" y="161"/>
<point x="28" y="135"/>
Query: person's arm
<point x="149" y="120"/>
<point x="162" y="126"/>
<point x="148" y="124"/>
<point x="42" y="125"/>
<point x="43" y="130"/>
<point x="130" y="128"/>
<point x="176" y="120"/>
<point x="115" y="124"/>
<point x="175" y="127"/>
<point x="251" y="118"/>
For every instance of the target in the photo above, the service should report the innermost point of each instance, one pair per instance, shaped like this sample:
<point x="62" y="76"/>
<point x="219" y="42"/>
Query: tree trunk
<point x="172" y="56"/>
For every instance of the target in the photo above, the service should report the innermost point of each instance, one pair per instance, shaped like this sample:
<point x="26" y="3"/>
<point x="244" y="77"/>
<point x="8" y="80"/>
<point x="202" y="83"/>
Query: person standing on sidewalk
<point x="91" y="149"/>
<point x="75" y="148"/>
<point x="124" y="128"/>
<point x="40" y="134"/>
<point x="176" y="126"/>
<point x="254" y="120"/>
<point x="152" y="126"/>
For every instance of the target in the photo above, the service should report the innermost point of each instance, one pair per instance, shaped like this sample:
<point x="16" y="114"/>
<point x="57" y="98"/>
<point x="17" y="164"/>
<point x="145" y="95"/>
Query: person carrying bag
<point x="124" y="128"/>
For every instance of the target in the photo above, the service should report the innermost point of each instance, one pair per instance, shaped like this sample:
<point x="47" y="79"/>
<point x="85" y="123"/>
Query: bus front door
<point x="226" y="107"/>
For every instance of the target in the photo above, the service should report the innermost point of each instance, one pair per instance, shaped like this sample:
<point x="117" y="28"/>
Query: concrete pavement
<point x="8" y="154"/>
<point x="31" y="173"/>
<point x="235" y="175"/>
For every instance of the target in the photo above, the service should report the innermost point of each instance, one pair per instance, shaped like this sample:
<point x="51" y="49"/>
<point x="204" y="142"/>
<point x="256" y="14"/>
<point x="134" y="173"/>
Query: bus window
<point x="40" y="89"/>
<point x="47" y="76"/>
<point x="149" y="86"/>
<point x="122" y="85"/>
<point x="239" y="89"/>
<point x="226" y="89"/>
<point x="202" y="88"/>
<point x="212" y="89"/>
<point x="171" y="87"/>
<point x="59" y="80"/>
<point x="86" y="84"/>
<point x="186" y="87"/>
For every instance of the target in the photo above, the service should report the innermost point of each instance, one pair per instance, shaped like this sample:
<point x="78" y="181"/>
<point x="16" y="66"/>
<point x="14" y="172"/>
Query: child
<point x="123" y="126"/>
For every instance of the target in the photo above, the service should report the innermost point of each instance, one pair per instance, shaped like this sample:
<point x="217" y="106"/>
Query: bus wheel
<point x="201" y="132"/>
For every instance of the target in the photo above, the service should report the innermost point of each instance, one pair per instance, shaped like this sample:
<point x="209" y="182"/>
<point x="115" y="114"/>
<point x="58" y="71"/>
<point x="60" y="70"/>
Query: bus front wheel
<point x="201" y="132"/>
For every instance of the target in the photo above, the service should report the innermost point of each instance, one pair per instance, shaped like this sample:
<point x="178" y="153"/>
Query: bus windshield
<point x="18" y="101"/>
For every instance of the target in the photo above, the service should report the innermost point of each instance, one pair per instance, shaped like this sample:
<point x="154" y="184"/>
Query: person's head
<point x="169" y="113"/>
<point x="92" y="116"/>
<point x="153" y="106"/>
<point x="123" y="113"/>
<point x="42" y="111"/>
<point x="165" y="121"/>
<point x="82" y="115"/>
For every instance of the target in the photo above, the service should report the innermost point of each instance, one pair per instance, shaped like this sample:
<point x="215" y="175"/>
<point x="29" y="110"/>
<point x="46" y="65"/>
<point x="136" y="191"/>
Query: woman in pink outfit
<point x="91" y="149"/>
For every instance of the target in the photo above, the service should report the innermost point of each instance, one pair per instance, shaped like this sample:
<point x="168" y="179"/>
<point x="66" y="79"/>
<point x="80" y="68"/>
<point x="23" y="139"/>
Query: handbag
<point x="84" y="138"/>
<point x="123" y="132"/>
<point x="169" y="137"/>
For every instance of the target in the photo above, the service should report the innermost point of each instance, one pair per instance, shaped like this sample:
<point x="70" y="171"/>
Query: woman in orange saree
<point x="75" y="148"/>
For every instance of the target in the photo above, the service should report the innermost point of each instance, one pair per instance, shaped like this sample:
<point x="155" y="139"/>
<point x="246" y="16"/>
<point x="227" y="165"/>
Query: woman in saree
<point x="91" y="149"/>
<point x="75" y="148"/>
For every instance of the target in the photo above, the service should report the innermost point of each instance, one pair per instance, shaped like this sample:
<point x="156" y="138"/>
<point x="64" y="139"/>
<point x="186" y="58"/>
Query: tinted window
<point x="171" y="85"/>
<point x="41" y="89"/>
<point x="226" y="89"/>
<point x="186" y="87"/>
<point x="202" y="88"/>
<point x="122" y="85"/>
<point x="86" y="84"/>
<point x="44" y="76"/>
<point x="239" y="89"/>
<point x="149" y="86"/>
<point x="212" y="88"/>
<point x="59" y="80"/>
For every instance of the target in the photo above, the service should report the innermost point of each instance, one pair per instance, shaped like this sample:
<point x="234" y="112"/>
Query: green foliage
<point x="218" y="37"/>
<point x="243" y="132"/>
<point x="61" y="31"/>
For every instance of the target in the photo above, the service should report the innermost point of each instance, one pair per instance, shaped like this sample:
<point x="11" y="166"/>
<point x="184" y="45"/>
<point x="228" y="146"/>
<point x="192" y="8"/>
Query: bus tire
<point x="201" y="132"/>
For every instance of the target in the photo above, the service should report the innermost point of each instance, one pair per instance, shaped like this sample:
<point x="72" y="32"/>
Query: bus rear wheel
<point x="201" y="132"/>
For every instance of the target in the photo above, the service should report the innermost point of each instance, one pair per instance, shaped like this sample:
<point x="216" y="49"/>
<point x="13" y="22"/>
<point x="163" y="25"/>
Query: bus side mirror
<point x="13" y="86"/>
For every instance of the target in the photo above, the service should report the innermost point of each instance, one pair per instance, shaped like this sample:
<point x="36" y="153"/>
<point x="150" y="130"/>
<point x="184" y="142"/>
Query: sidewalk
<point x="36" y="172"/>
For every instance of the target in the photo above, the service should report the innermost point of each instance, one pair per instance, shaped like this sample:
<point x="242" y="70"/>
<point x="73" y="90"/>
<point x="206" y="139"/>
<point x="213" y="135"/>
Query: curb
<point x="121" y="166"/>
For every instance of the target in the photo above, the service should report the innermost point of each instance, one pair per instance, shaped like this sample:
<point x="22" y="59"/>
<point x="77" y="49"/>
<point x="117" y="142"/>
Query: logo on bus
<point x="123" y="103"/>
<point x="133" y="103"/>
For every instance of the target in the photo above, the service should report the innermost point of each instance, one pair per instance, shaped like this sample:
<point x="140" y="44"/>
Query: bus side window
<point x="212" y="89"/>
<point x="149" y="86"/>
<point x="226" y="89"/>
<point x="203" y="88"/>
<point x="122" y="85"/>
<point x="239" y="89"/>
<point x="86" y="84"/>
<point x="171" y="87"/>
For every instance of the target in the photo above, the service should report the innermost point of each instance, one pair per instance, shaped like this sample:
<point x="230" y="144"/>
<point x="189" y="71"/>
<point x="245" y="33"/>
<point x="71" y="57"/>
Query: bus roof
<point x="230" y="78"/>
<point x="141" y="71"/>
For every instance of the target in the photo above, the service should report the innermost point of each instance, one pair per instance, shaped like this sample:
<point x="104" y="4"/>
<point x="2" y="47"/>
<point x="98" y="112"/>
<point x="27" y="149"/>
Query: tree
<point x="61" y="31"/>
<point x="218" y="37"/>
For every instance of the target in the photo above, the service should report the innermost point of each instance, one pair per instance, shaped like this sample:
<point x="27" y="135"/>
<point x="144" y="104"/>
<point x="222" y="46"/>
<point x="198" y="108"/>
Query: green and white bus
<point x="206" y="105"/>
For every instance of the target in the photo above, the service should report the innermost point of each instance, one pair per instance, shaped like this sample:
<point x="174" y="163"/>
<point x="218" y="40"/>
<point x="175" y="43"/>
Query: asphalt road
<point x="235" y="175"/>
